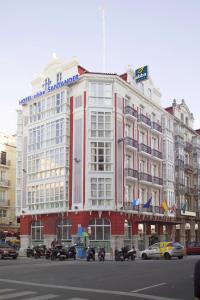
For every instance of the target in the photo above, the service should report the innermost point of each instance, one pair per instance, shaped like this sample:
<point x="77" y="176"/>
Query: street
<point x="30" y="279"/>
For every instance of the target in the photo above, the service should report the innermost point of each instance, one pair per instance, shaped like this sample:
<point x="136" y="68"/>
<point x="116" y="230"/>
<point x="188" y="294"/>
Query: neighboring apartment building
<point x="8" y="221"/>
<point x="89" y="153"/>
<point x="186" y="142"/>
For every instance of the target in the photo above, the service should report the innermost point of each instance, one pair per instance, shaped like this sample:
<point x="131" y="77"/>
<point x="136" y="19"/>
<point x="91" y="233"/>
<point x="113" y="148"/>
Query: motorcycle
<point x="58" y="253"/>
<point x="39" y="251"/>
<point x="101" y="254"/>
<point x="129" y="253"/>
<point x="90" y="254"/>
<point x="125" y="254"/>
<point x="119" y="255"/>
<point x="71" y="252"/>
<point x="29" y="251"/>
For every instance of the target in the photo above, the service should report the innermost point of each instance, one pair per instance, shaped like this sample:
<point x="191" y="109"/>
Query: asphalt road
<point x="30" y="279"/>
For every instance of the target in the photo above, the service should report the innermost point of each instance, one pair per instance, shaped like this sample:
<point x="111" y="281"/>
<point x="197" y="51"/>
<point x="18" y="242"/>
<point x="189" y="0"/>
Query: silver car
<point x="164" y="250"/>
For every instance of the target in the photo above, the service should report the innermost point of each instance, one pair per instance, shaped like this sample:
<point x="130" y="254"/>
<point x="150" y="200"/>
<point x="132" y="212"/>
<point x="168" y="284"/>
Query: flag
<point x="148" y="203"/>
<point x="135" y="202"/>
<point x="164" y="205"/>
<point x="183" y="207"/>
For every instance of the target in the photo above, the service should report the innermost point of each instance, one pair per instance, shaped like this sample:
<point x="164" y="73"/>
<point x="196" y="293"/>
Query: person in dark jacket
<point x="197" y="280"/>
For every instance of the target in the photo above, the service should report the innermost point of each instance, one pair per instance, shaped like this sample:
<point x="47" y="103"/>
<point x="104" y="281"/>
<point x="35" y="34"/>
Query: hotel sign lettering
<point x="49" y="88"/>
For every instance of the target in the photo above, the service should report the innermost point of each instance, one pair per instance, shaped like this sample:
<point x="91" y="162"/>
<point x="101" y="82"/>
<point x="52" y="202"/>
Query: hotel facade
<point x="95" y="150"/>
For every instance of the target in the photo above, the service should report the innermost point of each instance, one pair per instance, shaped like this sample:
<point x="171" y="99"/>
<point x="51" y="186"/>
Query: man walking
<point x="197" y="280"/>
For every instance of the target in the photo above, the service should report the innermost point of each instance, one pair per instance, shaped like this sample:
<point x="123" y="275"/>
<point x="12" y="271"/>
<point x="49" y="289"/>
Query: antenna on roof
<point x="102" y="10"/>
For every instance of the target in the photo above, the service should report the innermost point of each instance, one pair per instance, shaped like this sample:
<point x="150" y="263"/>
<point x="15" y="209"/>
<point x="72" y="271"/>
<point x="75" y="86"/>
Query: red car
<point x="7" y="251"/>
<point x="193" y="248"/>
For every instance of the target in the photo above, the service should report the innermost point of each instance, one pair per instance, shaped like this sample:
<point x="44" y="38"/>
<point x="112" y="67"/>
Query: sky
<point x="165" y="35"/>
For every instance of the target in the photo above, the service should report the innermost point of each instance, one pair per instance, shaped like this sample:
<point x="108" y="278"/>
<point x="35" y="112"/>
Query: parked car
<point x="165" y="250"/>
<point x="7" y="251"/>
<point x="193" y="248"/>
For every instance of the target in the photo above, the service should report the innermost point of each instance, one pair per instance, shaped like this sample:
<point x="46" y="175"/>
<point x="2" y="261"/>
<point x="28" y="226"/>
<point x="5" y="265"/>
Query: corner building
<point x="89" y="147"/>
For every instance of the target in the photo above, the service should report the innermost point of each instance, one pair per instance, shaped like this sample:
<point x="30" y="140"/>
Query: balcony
<point x="179" y="141"/>
<point x="197" y="190"/>
<point x="179" y="163"/>
<point x="144" y="148"/>
<point x="144" y="120"/>
<point x="131" y="112"/>
<point x="188" y="147"/>
<point x="4" y="164"/>
<point x="145" y="177"/>
<point x="4" y="183"/>
<point x="180" y="188"/>
<point x="198" y="215"/>
<point x="131" y="143"/>
<point x="156" y="127"/>
<point x="196" y="170"/>
<point x="188" y="168"/>
<point x="156" y="153"/>
<point x="189" y="190"/>
<point x="131" y="173"/>
<point x="151" y="209"/>
<point x="5" y="203"/>
<point x="157" y="180"/>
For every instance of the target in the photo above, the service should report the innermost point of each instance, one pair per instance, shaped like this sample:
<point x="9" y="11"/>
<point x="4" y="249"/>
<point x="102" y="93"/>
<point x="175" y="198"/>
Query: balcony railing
<point x="131" y="142"/>
<point x="179" y="163"/>
<point x="4" y="183"/>
<point x="156" y="126"/>
<point x="156" y="153"/>
<point x="131" y="111"/>
<point x="157" y="180"/>
<point x="188" y="146"/>
<point x="144" y="119"/>
<point x="188" y="168"/>
<point x="131" y="173"/>
<point x="198" y="214"/>
<point x="144" y="148"/>
<point x="189" y="190"/>
<point x="145" y="177"/>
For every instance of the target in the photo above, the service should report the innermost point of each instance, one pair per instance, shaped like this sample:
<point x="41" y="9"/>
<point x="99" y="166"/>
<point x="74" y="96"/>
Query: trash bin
<point x="80" y="252"/>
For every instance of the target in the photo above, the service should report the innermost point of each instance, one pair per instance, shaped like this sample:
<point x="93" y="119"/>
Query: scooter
<point x="90" y="254"/>
<point x="119" y="255"/>
<point x="101" y="254"/>
<point x="129" y="254"/>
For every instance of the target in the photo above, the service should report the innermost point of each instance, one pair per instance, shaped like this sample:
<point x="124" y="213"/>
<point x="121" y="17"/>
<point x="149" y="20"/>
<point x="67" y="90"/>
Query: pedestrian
<point x="197" y="280"/>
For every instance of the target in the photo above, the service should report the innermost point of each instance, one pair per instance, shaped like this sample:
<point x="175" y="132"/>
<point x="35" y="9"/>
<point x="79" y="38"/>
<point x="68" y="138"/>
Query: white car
<point x="163" y="250"/>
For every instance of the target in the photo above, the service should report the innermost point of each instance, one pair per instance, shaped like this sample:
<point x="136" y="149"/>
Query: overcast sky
<point x="165" y="35"/>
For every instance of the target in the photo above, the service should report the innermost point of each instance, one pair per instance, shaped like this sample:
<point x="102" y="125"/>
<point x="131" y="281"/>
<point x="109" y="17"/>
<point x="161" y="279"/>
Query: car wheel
<point x="144" y="256"/>
<point x="1" y="256"/>
<point x="167" y="256"/>
<point x="180" y="257"/>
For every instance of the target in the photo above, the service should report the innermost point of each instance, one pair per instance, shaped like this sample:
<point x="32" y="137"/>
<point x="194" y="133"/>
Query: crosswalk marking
<point x="43" y="297"/>
<point x="15" y="295"/>
<point x="6" y="290"/>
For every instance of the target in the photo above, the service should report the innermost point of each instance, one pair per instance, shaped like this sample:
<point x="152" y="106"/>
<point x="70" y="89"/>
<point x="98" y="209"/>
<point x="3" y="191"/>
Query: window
<point x="154" y="143"/>
<point x="37" y="231"/>
<point x="64" y="230"/>
<point x="100" y="230"/>
<point x="59" y="77"/>
<point x="78" y="101"/>
<point x="2" y="197"/>
<point x="101" y="191"/>
<point x="3" y="213"/>
<point x="101" y="125"/>
<point x="100" y="156"/>
<point x="142" y="137"/>
<point x="142" y="166"/>
<point x="128" y="161"/>
<point x="128" y="130"/>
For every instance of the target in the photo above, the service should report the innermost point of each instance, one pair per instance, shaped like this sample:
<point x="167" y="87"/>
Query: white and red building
<point x="89" y="144"/>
